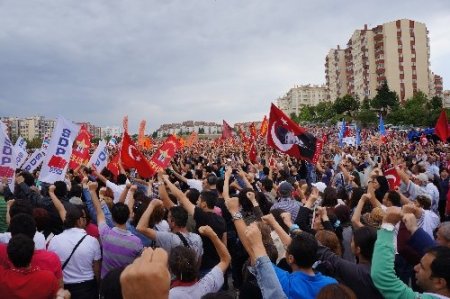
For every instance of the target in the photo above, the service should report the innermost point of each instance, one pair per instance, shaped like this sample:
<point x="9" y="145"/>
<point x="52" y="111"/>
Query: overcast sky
<point x="169" y="61"/>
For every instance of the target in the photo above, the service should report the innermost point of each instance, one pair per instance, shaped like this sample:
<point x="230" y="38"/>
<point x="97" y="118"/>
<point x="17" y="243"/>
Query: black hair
<point x="219" y="185"/>
<point x="267" y="184"/>
<point x="304" y="250"/>
<point x="28" y="178"/>
<point x="120" y="213"/>
<point x="121" y="179"/>
<point x="73" y="213"/>
<point x="211" y="179"/>
<point x="357" y="193"/>
<point x="193" y="195"/>
<point x="209" y="197"/>
<point x="60" y="189"/>
<point x="277" y="215"/>
<point x="179" y="216"/>
<point x="394" y="197"/>
<point x="364" y="238"/>
<point x="329" y="197"/>
<point x="75" y="191"/>
<point x="183" y="263"/>
<point x="199" y="174"/>
<point x="246" y="204"/>
<point x="424" y="202"/>
<point x="383" y="189"/>
<point x="23" y="224"/>
<point x="218" y="295"/>
<point x="266" y="170"/>
<point x="20" y="250"/>
<point x="21" y="206"/>
<point x="441" y="264"/>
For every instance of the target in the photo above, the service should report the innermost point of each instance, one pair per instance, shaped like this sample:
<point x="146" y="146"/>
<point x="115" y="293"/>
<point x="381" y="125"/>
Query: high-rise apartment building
<point x="335" y="73"/>
<point x="397" y="52"/>
<point x="28" y="127"/>
<point x="303" y="95"/>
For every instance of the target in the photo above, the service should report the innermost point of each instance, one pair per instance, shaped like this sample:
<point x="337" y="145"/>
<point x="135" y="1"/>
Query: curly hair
<point x="183" y="263"/>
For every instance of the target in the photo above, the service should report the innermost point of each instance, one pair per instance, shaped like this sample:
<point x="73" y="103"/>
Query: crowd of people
<point x="216" y="225"/>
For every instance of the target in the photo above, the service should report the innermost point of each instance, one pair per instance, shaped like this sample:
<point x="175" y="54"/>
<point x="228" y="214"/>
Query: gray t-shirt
<point x="210" y="283"/>
<point x="169" y="240"/>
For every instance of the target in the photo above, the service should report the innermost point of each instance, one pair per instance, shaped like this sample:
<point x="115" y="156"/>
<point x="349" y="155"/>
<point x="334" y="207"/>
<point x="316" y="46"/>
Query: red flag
<point x="226" y="130"/>
<point x="161" y="158"/>
<point x="80" y="152"/>
<point x="252" y="153"/>
<point x="287" y="137"/>
<point x="263" y="128"/>
<point x="113" y="165"/>
<point x="133" y="158"/>
<point x="393" y="178"/>
<point x="192" y="139"/>
<point x="441" y="128"/>
<point x="252" y="131"/>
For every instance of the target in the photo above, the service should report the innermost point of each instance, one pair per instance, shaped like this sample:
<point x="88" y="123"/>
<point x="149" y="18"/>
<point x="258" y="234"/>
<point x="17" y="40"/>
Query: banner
<point x="34" y="160"/>
<point x="80" y="153"/>
<point x="113" y="165"/>
<point x="192" y="139"/>
<point x="227" y="131"/>
<point x="21" y="151"/>
<point x="99" y="158"/>
<point x="59" y="150"/>
<point x="7" y="160"/>
<point x="264" y="126"/>
<point x="288" y="137"/>
<point x="161" y="158"/>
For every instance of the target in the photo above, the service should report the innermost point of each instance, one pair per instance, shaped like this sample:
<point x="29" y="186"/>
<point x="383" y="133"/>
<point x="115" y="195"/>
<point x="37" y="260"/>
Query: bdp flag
<point x="263" y="128"/>
<point x="381" y="126"/>
<point x="80" y="153"/>
<point x="342" y="133"/>
<point x="59" y="150"/>
<point x="7" y="159"/>
<point x="287" y="137"/>
<point x="393" y="178"/>
<point x="133" y="158"/>
<point x="113" y="165"/>
<point x="441" y="128"/>
<point x="99" y="158"/>
<point x="34" y="160"/>
<point x="227" y="131"/>
<point x="21" y="151"/>
<point x="161" y="158"/>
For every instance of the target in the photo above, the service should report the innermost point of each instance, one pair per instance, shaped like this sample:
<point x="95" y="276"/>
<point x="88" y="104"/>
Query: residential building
<point x="187" y="127"/>
<point x="111" y="131"/>
<point x="96" y="132"/>
<point x="446" y="98"/>
<point x="302" y="95"/>
<point x="29" y="127"/>
<point x="397" y="52"/>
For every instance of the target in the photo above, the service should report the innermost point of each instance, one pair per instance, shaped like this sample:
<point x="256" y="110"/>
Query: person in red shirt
<point x="43" y="259"/>
<point x="23" y="280"/>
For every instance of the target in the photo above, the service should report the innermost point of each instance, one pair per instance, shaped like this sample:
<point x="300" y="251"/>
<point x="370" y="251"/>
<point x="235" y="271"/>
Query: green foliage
<point x="435" y="103"/>
<point x="307" y="113"/>
<point x="366" y="117"/>
<point x="35" y="143"/>
<point x="155" y="134"/>
<point x="201" y="131"/>
<point x="385" y="99"/>
<point x="324" y="112"/>
<point x="346" y="105"/>
<point x="95" y="140"/>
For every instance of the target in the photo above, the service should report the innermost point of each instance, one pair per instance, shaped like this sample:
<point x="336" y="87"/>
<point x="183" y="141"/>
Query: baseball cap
<point x="320" y="186"/>
<point x="421" y="177"/>
<point x="285" y="189"/>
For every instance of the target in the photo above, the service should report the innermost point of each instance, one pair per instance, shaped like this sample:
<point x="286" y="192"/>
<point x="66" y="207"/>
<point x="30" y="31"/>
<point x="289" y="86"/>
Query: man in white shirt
<point x="82" y="262"/>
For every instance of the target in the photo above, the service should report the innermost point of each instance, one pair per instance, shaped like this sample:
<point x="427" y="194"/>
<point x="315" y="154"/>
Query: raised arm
<point x="356" y="218"/>
<point x="243" y="176"/>
<point x="179" y="176"/>
<point x="143" y="222"/>
<point x="284" y="237"/>
<point x="124" y="193"/>
<point x="221" y="249"/>
<point x="57" y="203"/>
<point x="184" y="201"/>
<point x="168" y="203"/>
<point x="226" y="183"/>
<point x="96" y="202"/>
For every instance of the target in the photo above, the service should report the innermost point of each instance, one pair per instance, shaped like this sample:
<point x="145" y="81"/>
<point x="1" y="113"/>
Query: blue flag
<point x="358" y="136"/>
<point x="381" y="126"/>
<point x="341" y="133"/>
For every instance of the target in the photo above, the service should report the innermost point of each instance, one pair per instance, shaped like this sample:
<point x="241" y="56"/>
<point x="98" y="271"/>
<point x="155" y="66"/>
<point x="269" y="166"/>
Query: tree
<point x="324" y="112"/>
<point x="366" y="117"/>
<point x="416" y="110"/>
<point x="34" y="143"/>
<point x="155" y="134"/>
<point x="346" y="105"/>
<point x="306" y="114"/>
<point x="435" y="103"/>
<point x="385" y="99"/>
<point x="201" y="131"/>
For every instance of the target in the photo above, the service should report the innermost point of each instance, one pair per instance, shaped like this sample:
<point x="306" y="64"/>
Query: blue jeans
<point x="267" y="279"/>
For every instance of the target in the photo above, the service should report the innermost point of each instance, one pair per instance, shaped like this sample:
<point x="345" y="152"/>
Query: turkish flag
<point x="113" y="165"/>
<point x="441" y="128"/>
<point x="226" y="130"/>
<point x="287" y="137"/>
<point x="133" y="158"/>
<point x="161" y="158"/>
<point x="393" y="178"/>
